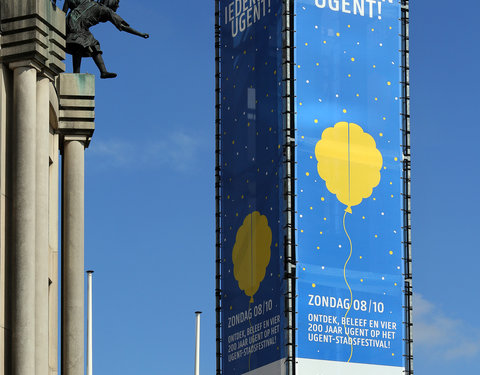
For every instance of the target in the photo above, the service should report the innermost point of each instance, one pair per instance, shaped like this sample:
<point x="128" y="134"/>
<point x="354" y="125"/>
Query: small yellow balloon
<point x="349" y="162"/>
<point x="251" y="253"/>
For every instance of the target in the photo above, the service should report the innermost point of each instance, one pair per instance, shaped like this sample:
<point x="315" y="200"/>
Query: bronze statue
<point x="84" y="14"/>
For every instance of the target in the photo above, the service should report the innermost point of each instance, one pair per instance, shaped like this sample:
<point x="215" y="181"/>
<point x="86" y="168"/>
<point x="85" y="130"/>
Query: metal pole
<point x="89" y="325"/>
<point x="197" y="343"/>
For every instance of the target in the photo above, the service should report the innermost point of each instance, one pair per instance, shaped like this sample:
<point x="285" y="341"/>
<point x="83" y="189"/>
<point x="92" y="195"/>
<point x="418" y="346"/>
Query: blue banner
<point x="349" y="185"/>
<point x="251" y="185"/>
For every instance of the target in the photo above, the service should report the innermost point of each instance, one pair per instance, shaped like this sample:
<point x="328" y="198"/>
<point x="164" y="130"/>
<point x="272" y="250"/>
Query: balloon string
<point x="250" y="322"/>
<point x="350" y="289"/>
<point x="251" y="251"/>
<point x="349" y="164"/>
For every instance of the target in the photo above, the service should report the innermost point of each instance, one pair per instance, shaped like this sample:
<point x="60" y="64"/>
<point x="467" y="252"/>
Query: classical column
<point x="33" y="39"/>
<point x="23" y="275"/>
<point x="73" y="256"/>
<point x="42" y="227"/>
<point x="76" y="92"/>
<point x="53" y="239"/>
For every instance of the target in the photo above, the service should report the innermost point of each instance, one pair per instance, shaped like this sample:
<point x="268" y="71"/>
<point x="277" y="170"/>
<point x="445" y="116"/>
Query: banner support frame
<point x="218" y="232"/>
<point x="288" y="70"/>
<point x="407" y="228"/>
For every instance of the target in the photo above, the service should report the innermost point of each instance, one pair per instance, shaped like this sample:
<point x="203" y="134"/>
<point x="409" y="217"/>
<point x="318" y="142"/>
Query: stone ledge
<point x="76" y="85"/>
<point x="76" y="103"/>
<point x="76" y="113"/>
<point x="76" y="94"/>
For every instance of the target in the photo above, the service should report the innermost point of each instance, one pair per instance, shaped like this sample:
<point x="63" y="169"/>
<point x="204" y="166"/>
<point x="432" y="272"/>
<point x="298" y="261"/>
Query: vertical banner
<point x="349" y="221"/>
<point x="252" y="282"/>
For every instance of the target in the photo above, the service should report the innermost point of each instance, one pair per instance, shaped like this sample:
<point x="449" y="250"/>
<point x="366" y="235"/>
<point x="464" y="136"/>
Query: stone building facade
<point x="46" y="123"/>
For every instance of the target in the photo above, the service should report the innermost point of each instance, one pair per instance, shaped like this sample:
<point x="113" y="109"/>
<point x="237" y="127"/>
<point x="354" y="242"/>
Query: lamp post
<point x="197" y="343"/>
<point x="89" y="324"/>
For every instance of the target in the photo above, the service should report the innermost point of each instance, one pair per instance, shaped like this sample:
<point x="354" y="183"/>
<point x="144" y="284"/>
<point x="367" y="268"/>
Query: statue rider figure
<point x="83" y="14"/>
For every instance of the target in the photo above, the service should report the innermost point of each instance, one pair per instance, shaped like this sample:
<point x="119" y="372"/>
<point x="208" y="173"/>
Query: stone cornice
<point x="33" y="30"/>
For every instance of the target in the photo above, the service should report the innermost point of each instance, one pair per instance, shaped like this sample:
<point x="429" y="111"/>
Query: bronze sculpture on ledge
<point x="80" y="41"/>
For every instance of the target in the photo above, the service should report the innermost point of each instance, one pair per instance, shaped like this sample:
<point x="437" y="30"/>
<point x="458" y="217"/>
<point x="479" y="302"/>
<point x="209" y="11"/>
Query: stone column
<point x="54" y="250"/>
<point x="73" y="256"/>
<point x="23" y="275"/>
<point x="42" y="227"/>
<point x="76" y="127"/>
<point x="33" y="38"/>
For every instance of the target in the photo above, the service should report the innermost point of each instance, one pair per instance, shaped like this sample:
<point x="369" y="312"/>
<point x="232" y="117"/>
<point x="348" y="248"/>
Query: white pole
<point x="89" y="325"/>
<point x="197" y="343"/>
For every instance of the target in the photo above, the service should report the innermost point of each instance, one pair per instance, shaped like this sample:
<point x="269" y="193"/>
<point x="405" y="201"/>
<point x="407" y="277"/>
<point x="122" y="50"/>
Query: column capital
<point x="81" y="137"/>
<point x="27" y="63"/>
<point x="47" y="73"/>
<point x="76" y="94"/>
<point x="42" y="72"/>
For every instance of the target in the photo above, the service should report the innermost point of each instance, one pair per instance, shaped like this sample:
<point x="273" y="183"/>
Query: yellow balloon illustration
<point x="251" y="253"/>
<point x="349" y="162"/>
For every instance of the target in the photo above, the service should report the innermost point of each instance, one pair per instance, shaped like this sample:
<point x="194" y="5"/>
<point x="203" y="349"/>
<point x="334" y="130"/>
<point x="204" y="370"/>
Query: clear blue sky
<point x="150" y="189"/>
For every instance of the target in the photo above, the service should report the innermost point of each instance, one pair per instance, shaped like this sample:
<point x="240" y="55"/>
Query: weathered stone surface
<point x="42" y="227"/>
<point x="23" y="220"/>
<point x="73" y="258"/>
<point x="33" y="30"/>
<point x="77" y="104"/>
<point x="76" y="85"/>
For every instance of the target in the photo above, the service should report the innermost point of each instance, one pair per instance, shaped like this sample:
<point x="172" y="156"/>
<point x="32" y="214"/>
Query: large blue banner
<point x="350" y="314"/>
<point x="251" y="186"/>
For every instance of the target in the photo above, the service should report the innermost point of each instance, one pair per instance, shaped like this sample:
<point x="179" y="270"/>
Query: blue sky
<point x="150" y="189"/>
